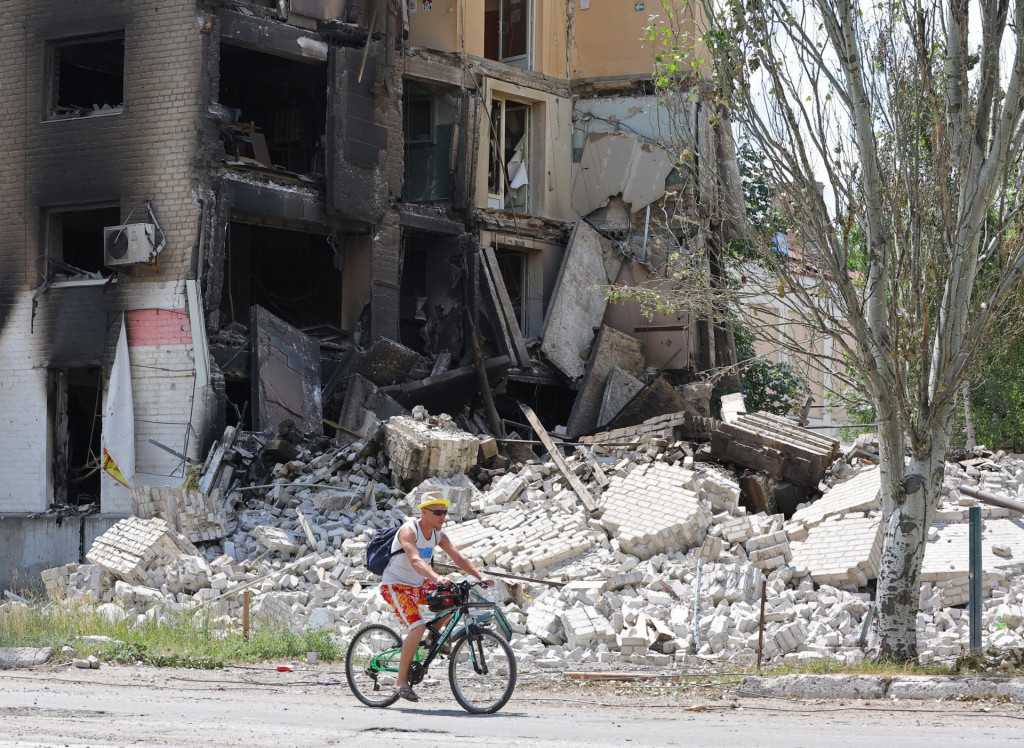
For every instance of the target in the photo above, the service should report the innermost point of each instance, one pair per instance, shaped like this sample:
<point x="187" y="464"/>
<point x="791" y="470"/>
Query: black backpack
<point x="378" y="552"/>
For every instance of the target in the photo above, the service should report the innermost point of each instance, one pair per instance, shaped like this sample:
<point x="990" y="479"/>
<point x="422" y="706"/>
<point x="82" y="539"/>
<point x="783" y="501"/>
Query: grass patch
<point x="867" y="667"/>
<point x="185" y="640"/>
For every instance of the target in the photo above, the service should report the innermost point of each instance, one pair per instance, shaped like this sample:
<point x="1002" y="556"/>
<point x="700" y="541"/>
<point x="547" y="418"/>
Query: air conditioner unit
<point x="130" y="244"/>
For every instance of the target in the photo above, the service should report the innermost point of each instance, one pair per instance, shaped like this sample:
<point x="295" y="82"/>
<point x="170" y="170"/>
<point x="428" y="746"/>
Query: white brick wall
<point x="841" y="551"/>
<point x="162" y="383"/>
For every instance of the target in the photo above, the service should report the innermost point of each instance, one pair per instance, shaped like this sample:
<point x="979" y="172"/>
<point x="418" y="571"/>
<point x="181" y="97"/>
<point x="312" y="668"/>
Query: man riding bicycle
<point x="409" y="577"/>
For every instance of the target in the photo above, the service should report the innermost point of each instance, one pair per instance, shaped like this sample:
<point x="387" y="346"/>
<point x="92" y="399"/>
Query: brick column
<point x="386" y="275"/>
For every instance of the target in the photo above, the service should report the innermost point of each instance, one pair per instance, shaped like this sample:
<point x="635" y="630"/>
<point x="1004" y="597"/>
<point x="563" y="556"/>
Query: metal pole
<point x="867" y="625"/>
<point x="991" y="498"/>
<point x="245" y="615"/>
<point x="974" y="578"/>
<point x="696" y="610"/>
<point x="760" y="633"/>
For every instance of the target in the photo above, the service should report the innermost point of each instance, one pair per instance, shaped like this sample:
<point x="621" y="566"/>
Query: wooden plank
<point x="599" y="474"/>
<point x="577" y="485"/>
<point x="212" y="474"/>
<point x="504" y="304"/>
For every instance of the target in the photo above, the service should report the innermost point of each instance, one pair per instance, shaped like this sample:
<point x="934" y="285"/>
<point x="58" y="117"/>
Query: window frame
<point x="48" y="229"/>
<point x="496" y="200"/>
<point x="51" y="90"/>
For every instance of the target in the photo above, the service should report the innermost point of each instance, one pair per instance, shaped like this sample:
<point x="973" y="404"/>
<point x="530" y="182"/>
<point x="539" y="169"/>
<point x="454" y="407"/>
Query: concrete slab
<point x="656" y="399"/>
<point x="928" y="687"/>
<point x="648" y="169"/>
<point x="578" y="304"/>
<point x="604" y="167"/>
<point x="611" y="350"/>
<point x="12" y="658"/>
<point x="619" y="389"/>
<point x="815" y="686"/>
<point x="365" y="407"/>
<point x="620" y="163"/>
<point x="29" y="545"/>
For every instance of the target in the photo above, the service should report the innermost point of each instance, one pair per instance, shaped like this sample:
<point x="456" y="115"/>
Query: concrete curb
<point x="909" y="687"/>
<point x="22" y="657"/>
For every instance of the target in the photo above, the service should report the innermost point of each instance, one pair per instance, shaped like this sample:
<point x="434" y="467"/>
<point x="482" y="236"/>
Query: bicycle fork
<point x="476" y="650"/>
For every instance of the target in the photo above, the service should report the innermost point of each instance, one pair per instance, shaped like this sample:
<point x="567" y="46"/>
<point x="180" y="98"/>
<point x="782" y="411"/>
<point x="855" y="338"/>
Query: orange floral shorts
<point x="406" y="600"/>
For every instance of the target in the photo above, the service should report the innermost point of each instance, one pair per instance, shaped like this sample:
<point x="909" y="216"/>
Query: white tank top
<point x="399" y="570"/>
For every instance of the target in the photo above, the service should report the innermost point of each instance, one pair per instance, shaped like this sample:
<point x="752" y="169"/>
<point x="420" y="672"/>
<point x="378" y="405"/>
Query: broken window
<point x="280" y="110"/>
<point x="508" y="31"/>
<point x="508" y="182"/>
<point x="73" y="238"/>
<point x="86" y="76"/>
<point x="76" y="418"/>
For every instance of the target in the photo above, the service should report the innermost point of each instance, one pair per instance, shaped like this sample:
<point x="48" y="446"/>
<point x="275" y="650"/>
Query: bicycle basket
<point x="499" y="617"/>
<point x="442" y="598"/>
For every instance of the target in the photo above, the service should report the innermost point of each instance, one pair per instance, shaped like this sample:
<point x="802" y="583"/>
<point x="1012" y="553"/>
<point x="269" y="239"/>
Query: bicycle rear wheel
<point x="482" y="672"/>
<point x="363" y="662"/>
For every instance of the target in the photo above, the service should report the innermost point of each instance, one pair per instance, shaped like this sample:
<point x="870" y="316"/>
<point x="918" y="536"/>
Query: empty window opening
<point x="280" y="110"/>
<point x="77" y="425"/>
<point x="412" y="313"/>
<point x="86" y="76"/>
<point x="508" y="31"/>
<point x="431" y="289"/>
<point x="513" y="274"/>
<point x="508" y="173"/>
<point x="74" y="240"/>
<point x="419" y="119"/>
<point x="239" y="409"/>
<point x="293" y="274"/>
<point x="431" y="116"/>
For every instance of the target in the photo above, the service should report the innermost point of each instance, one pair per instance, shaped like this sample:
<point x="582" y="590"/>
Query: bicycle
<point x="481" y="667"/>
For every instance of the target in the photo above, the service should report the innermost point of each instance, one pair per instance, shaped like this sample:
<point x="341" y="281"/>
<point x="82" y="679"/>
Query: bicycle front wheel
<point x="482" y="672"/>
<point x="371" y="665"/>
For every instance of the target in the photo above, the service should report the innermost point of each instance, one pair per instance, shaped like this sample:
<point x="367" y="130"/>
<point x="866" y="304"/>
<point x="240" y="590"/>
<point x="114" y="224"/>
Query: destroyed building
<point x="306" y="211"/>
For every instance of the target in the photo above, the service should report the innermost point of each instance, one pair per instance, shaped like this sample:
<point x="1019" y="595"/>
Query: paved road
<point x="257" y="707"/>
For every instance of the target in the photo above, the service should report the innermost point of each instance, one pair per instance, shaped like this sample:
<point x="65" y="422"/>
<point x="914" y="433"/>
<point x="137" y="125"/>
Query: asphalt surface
<point x="256" y="706"/>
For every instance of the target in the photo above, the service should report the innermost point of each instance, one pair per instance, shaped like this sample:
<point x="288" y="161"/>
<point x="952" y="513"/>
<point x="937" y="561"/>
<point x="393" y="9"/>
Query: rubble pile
<point x="195" y="515"/>
<point x="422" y="447"/>
<point x="669" y="569"/>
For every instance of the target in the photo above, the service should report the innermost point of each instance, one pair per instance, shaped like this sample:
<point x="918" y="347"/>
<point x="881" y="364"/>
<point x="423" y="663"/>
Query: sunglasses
<point x="437" y="512"/>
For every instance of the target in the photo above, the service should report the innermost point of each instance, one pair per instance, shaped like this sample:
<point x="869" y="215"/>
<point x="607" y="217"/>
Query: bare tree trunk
<point x="905" y="532"/>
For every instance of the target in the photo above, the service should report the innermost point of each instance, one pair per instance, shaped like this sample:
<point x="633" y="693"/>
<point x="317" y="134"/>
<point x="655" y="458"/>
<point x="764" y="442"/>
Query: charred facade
<point x="278" y="199"/>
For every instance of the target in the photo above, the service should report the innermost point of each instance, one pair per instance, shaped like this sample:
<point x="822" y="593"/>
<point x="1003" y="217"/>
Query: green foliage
<point x="997" y="402"/>
<point x="772" y="387"/>
<point x="193" y="640"/>
<point x="759" y="199"/>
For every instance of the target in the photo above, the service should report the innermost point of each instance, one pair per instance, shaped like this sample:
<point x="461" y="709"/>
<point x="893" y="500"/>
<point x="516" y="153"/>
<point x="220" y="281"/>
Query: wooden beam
<point x="577" y="485"/>
<point x="504" y="305"/>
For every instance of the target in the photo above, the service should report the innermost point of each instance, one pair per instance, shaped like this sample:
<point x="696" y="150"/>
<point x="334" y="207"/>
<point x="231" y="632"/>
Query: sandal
<point x="407" y="693"/>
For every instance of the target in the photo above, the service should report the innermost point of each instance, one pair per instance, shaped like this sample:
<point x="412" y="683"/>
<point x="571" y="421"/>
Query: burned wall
<point x="357" y="133"/>
<point x="71" y="146"/>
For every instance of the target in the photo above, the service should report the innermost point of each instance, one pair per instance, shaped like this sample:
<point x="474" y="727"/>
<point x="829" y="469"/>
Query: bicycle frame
<point x="387" y="661"/>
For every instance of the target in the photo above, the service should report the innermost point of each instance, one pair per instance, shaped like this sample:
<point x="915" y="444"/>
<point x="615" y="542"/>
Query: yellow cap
<point x="433" y="497"/>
